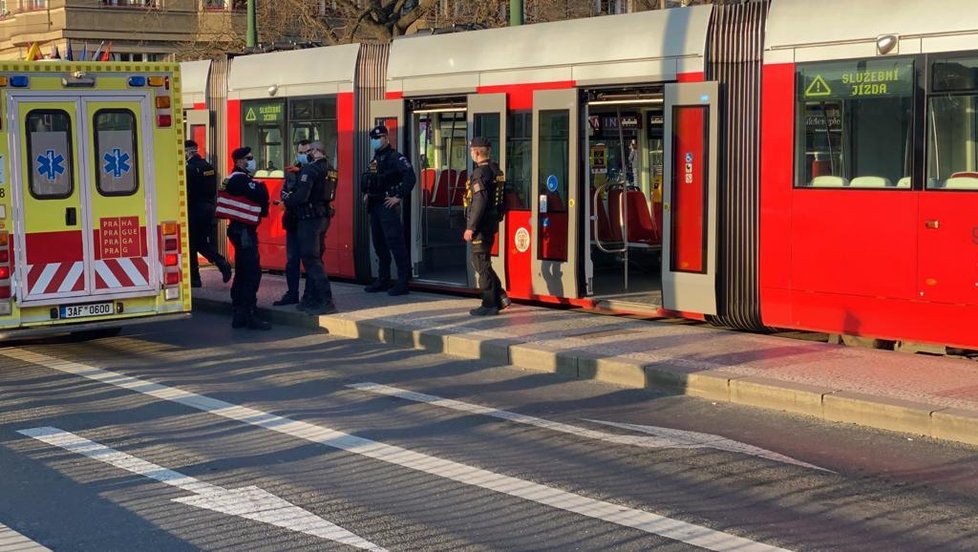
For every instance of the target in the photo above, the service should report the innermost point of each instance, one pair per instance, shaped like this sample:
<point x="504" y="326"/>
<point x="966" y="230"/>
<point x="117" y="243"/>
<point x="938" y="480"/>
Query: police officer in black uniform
<point x="290" y="223"/>
<point x="312" y="203"/>
<point x="244" y="236"/>
<point x="389" y="182"/>
<point x="481" y="225"/>
<point x="201" y="200"/>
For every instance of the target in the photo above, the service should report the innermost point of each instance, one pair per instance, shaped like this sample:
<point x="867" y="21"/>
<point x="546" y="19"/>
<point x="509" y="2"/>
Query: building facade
<point x="138" y="30"/>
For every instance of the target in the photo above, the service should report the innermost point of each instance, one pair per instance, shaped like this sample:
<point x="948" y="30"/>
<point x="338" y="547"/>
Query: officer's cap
<point x="480" y="142"/>
<point x="378" y="131"/>
<point x="240" y="153"/>
<point x="190" y="144"/>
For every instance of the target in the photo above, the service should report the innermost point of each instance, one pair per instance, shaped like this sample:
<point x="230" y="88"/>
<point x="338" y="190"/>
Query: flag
<point x="106" y="56"/>
<point x="84" y="54"/>
<point x="34" y="52"/>
<point x="98" y="52"/>
<point x="55" y="54"/>
<point x="68" y="52"/>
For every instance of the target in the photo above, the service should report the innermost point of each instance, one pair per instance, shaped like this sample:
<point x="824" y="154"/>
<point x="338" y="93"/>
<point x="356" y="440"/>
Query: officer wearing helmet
<point x="201" y="203"/>
<point x="385" y="187"/>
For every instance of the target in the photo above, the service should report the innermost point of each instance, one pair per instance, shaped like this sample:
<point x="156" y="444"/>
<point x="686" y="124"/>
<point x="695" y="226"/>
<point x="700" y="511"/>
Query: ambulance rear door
<point x="124" y="258"/>
<point x="81" y="198"/>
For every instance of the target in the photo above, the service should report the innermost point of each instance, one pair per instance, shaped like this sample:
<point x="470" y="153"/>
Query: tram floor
<point x="643" y="288"/>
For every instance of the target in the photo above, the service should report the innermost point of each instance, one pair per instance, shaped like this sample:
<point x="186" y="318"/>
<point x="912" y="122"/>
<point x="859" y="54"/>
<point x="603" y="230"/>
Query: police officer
<point x="290" y="223"/>
<point x="240" y="186"/>
<point x="311" y="201"/>
<point x="481" y="225"/>
<point x="201" y="199"/>
<point x="390" y="180"/>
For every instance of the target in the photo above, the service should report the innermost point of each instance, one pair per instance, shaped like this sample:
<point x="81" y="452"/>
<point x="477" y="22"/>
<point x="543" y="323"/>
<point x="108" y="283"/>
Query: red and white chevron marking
<point x="121" y="273"/>
<point x="55" y="278"/>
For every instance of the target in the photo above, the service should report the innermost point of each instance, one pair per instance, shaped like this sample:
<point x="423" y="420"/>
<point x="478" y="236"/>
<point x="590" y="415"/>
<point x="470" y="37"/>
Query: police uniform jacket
<point x="394" y="173"/>
<point x="240" y="184"/>
<point x="479" y="215"/>
<point x="201" y="184"/>
<point x="309" y="198"/>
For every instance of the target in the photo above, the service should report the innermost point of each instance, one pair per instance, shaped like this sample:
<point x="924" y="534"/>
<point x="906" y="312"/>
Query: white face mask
<point x="251" y="166"/>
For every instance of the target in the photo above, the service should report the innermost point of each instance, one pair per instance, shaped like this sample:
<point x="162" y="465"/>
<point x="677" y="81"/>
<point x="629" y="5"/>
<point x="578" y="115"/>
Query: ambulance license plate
<point x="91" y="309"/>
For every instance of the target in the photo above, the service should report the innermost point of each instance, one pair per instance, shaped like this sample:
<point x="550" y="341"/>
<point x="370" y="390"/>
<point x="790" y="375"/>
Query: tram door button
<point x="933" y="224"/>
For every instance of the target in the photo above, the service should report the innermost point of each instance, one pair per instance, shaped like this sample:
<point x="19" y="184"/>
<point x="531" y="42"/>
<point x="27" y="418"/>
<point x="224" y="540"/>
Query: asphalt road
<point x="357" y="441"/>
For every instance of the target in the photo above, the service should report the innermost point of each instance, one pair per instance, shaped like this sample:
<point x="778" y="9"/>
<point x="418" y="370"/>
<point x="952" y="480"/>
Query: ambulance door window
<point x="116" y="160"/>
<point x="49" y="147"/>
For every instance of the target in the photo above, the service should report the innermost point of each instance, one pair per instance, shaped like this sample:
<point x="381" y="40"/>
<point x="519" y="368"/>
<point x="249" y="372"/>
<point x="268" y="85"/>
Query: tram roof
<point x="638" y="47"/>
<point x="325" y="70"/>
<point x="193" y="81"/>
<point x="800" y="30"/>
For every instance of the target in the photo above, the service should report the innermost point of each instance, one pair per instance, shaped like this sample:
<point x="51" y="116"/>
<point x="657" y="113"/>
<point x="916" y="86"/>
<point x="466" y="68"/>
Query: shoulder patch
<point x="405" y="161"/>
<point x="304" y="178"/>
<point x="251" y="184"/>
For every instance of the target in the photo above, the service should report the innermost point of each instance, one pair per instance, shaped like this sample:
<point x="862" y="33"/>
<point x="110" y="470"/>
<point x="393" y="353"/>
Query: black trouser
<point x="490" y="287"/>
<point x="387" y="233"/>
<point x="311" y="234"/>
<point x="247" y="266"/>
<point x="202" y="239"/>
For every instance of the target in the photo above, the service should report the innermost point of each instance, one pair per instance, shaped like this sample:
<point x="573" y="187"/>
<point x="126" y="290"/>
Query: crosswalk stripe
<point x="12" y="541"/>
<point x="641" y="520"/>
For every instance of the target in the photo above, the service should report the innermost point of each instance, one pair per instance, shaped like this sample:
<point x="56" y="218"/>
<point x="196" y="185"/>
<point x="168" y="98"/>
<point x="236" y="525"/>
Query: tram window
<point x="314" y="120"/>
<point x="49" y="148"/>
<point x="519" y="160"/>
<point x="116" y="155"/>
<point x="952" y="113"/>
<point x="264" y="132"/>
<point x="855" y="124"/>
<point x="554" y="168"/>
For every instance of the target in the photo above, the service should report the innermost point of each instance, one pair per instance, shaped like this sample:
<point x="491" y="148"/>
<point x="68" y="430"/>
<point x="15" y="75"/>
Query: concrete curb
<point x="825" y="403"/>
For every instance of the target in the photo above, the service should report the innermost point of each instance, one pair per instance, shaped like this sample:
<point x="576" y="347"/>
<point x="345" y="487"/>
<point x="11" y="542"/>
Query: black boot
<point x="239" y="317"/>
<point x="225" y="267"/>
<point x="255" y="323"/>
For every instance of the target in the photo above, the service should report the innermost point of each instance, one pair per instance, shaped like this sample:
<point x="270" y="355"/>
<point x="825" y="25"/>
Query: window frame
<point x="135" y="151"/>
<point x="928" y="94"/>
<point x="918" y="126"/>
<point x="69" y="165"/>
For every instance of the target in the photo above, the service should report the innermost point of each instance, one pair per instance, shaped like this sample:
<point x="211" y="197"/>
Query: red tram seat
<point x="445" y="178"/>
<point x="821" y="167"/>
<point x="640" y="226"/>
<point x="429" y="179"/>
<point x="614" y="211"/>
<point x="458" y="192"/>
<point x="604" y="228"/>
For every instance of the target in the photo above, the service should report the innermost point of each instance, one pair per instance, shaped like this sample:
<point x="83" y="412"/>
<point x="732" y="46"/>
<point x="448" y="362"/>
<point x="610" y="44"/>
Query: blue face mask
<point x="375" y="143"/>
<point x="303" y="159"/>
<point x="251" y="166"/>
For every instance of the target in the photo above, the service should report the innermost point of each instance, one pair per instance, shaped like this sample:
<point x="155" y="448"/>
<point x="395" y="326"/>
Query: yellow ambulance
<point x="93" y="211"/>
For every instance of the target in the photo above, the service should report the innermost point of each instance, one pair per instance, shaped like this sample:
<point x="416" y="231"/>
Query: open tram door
<point x="390" y="113"/>
<point x="689" y="255"/>
<point x="554" y="195"/>
<point x="487" y="119"/>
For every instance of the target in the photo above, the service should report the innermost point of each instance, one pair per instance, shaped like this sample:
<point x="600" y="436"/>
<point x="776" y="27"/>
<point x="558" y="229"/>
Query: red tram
<point x="759" y="165"/>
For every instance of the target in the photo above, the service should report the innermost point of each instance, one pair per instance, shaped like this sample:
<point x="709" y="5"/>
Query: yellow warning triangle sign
<point x="250" y="115"/>
<point x="818" y="88"/>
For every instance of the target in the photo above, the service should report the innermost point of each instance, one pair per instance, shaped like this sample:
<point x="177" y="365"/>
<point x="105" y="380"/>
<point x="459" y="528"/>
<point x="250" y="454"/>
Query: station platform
<point x="917" y="394"/>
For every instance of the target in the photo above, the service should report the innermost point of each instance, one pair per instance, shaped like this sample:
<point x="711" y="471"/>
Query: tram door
<point x="487" y="119"/>
<point x="689" y="255"/>
<point x="390" y="113"/>
<point x="554" y="217"/>
<point x="623" y="141"/>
